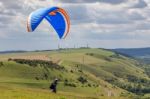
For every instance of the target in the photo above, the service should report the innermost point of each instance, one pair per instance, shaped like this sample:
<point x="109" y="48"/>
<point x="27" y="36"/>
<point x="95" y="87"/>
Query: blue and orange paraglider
<point x="56" y="16"/>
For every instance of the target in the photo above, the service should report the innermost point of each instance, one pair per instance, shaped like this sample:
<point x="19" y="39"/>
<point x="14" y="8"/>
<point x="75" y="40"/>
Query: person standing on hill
<point x="53" y="86"/>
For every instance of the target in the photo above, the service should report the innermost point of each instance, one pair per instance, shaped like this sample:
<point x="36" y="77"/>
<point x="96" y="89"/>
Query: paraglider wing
<point x="57" y="17"/>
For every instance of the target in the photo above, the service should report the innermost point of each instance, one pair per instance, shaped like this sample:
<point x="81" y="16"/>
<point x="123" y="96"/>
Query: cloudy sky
<point x="98" y="23"/>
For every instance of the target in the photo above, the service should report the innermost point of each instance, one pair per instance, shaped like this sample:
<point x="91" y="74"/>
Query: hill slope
<point x="89" y="72"/>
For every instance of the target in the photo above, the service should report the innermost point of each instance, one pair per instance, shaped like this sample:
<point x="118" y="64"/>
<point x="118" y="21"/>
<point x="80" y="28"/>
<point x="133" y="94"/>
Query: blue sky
<point x="98" y="23"/>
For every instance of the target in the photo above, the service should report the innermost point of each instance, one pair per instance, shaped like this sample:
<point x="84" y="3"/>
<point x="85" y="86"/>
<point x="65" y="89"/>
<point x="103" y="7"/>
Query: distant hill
<point x="143" y="54"/>
<point x="134" y="52"/>
<point x="7" y="52"/>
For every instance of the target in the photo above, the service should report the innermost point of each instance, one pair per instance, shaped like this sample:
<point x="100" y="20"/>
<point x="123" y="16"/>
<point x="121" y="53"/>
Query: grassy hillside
<point x="83" y="74"/>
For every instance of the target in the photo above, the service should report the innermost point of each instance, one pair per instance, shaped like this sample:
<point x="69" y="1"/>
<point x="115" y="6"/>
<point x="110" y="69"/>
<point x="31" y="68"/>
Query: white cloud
<point x="105" y="21"/>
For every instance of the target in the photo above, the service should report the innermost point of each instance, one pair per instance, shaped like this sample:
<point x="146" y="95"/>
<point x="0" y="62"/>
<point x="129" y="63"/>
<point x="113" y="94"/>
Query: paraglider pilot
<point x="53" y="86"/>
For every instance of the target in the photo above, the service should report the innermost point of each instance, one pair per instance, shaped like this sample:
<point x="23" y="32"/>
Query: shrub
<point x="89" y="85"/>
<point x="82" y="80"/>
<point x="66" y="83"/>
<point x="37" y="78"/>
<point x="1" y="64"/>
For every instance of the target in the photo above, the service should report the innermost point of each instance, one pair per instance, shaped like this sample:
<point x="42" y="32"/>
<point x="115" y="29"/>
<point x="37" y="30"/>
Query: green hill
<point x="83" y="74"/>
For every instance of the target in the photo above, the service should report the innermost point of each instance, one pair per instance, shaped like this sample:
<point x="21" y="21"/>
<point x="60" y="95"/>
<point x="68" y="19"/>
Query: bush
<point x="66" y="83"/>
<point x="89" y="85"/>
<point x="71" y="71"/>
<point x="45" y="76"/>
<point x="37" y="78"/>
<point x="82" y="80"/>
<point x="9" y="59"/>
<point x="90" y="54"/>
<point x="1" y="64"/>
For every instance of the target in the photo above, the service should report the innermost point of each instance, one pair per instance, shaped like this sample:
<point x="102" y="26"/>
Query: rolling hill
<point x="83" y="74"/>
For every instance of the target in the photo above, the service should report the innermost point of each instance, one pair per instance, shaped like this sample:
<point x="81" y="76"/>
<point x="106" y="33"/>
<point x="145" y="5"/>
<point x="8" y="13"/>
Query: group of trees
<point x="136" y="88"/>
<point x="147" y="70"/>
<point x="133" y="84"/>
<point x="35" y="63"/>
<point x="139" y="86"/>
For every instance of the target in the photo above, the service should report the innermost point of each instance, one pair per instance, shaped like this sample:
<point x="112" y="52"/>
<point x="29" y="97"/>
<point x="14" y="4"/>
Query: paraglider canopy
<point x="56" y="16"/>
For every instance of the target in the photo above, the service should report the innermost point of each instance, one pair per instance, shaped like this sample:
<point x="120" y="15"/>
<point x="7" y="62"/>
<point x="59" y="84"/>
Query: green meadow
<point x="83" y="74"/>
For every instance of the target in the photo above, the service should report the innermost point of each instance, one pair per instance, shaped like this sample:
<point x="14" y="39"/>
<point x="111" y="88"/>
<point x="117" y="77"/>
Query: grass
<point x="30" y="93"/>
<point x="17" y="81"/>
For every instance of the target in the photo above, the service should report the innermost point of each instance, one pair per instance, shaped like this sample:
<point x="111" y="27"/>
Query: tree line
<point x="35" y="63"/>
